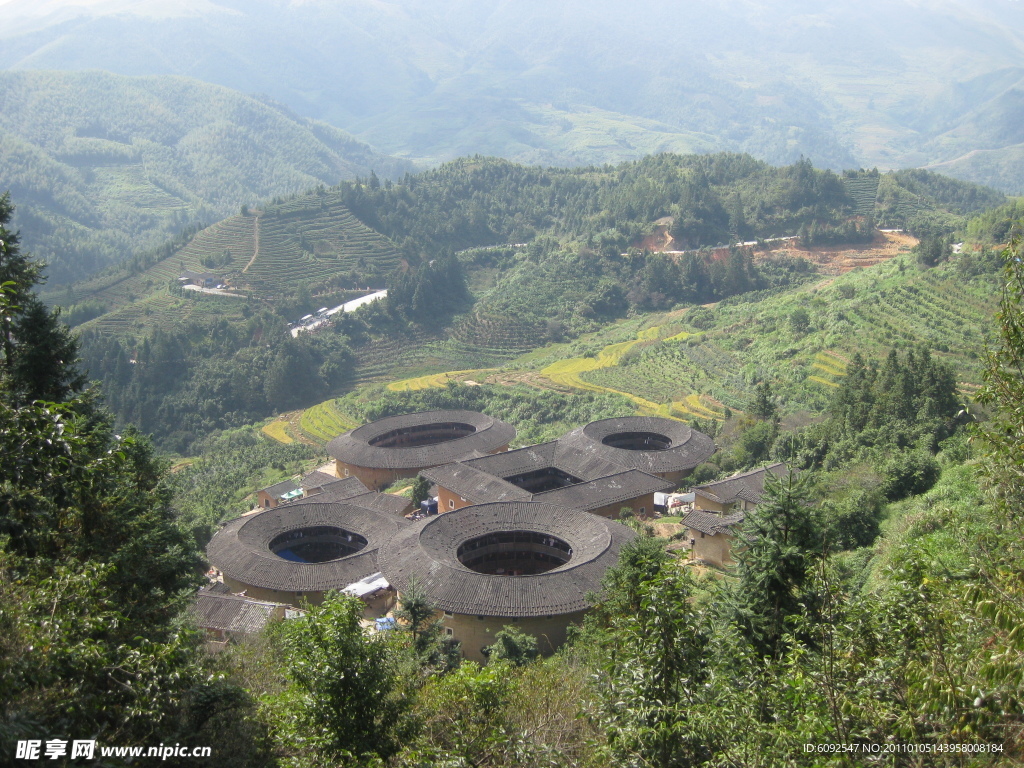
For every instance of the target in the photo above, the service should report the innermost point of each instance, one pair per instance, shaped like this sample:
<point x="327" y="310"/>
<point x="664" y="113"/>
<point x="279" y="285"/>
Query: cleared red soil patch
<point x="840" y="259"/>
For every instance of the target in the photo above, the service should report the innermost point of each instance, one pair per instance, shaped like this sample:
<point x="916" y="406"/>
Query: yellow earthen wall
<point x="475" y="634"/>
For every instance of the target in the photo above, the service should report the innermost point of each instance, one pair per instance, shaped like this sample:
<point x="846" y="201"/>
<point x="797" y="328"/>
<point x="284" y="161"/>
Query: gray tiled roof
<point x="230" y="613"/>
<point x="339" y="490"/>
<point x="746" y="485"/>
<point x="318" y="479"/>
<point x="475" y="484"/>
<point x="241" y="549"/>
<point x="687" y="447"/>
<point x="709" y="523"/>
<point x="603" y="482"/>
<point x="277" y="490"/>
<point x="602" y="491"/>
<point x="425" y="552"/>
<point x="354" y="447"/>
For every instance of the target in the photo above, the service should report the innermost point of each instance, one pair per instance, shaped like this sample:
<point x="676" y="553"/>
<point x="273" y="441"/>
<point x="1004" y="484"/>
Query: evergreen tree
<point x="781" y="539"/>
<point x="92" y="566"/>
<point x="764" y="405"/>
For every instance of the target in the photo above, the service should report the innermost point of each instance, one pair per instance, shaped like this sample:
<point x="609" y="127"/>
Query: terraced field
<point x="437" y="380"/>
<point x="295" y="247"/>
<point x="136" y="318"/>
<point x="119" y="288"/>
<point x="325" y="422"/>
<point x="279" y="248"/>
<point x="278" y="430"/>
<point x="667" y="368"/>
<point x="499" y="333"/>
<point x="864" y="191"/>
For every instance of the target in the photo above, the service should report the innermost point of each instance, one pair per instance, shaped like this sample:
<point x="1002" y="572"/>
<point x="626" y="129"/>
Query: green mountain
<point x="871" y="84"/>
<point x="486" y="260"/>
<point x="103" y="165"/>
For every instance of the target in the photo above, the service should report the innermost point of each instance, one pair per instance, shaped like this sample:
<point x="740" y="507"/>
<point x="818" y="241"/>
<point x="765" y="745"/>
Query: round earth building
<point x="664" y="447"/>
<point x="525" y="564"/>
<point x="390" y="449"/>
<point x="299" y="551"/>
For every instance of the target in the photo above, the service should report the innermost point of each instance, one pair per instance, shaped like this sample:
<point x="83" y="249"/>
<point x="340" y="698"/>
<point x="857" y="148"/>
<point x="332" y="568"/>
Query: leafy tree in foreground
<point x="421" y="621"/>
<point x="346" y="704"/>
<point x="1000" y="594"/>
<point x="93" y="569"/>
<point x="420" y="490"/>
<point x="655" y="677"/>
<point x="512" y="645"/>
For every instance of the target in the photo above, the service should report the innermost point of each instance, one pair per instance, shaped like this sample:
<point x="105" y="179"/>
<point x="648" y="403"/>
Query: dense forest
<point x="881" y="630"/>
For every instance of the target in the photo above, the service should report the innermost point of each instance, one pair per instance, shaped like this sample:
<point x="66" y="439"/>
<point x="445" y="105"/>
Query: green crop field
<point x="863" y="188"/>
<point x="668" y="368"/>
<point x="325" y="422"/>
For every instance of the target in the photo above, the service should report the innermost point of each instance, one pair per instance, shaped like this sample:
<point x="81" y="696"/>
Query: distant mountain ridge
<point x="886" y="83"/>
<point x="102" y="165"/>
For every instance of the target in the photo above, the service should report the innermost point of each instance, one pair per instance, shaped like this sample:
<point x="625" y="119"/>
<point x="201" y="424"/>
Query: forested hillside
<point x="485" y="260"/>
<point x="104" y="165"/>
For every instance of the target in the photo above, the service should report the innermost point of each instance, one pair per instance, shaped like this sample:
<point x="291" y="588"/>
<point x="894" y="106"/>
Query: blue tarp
<point x="287" y="554"/>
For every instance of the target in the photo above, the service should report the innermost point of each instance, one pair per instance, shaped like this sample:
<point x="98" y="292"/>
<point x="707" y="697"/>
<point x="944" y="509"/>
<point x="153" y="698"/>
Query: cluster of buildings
<point x="523" y="537"/>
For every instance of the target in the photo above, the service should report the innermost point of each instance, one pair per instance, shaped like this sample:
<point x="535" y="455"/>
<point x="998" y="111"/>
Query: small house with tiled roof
<point x="322" y="487"/>
<point x="711" y="536"/>
<point x="739" y="492"/>
<point x="527" y="564"/>
<point x="720" y="509"/>
<point x="552" y="472"/>
<point x="278" y="493"/>
<point x="224" y="616"/>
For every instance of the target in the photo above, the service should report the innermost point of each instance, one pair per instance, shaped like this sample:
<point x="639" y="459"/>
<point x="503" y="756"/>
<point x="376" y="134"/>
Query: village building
<point x="278" y="493"/>
<point x="737" y="493"/>
<point x="225" y="617"/>
<point x="298" y="551"/>
<point x="525" y="564"/>
<point x="664" y="447"/>
<point x="322" y="487"/>
<point x="720" y="509"/>
<point x="551" y="472"/>
<point x="200" y="279"/>
<point x="711" y="536"/>
<point x="384" y="451"/>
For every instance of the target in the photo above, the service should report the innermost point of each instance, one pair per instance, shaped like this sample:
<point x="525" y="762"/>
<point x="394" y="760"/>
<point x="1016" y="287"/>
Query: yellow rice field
<point x="434" y="380"/>
<point x="278" y="430"/>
